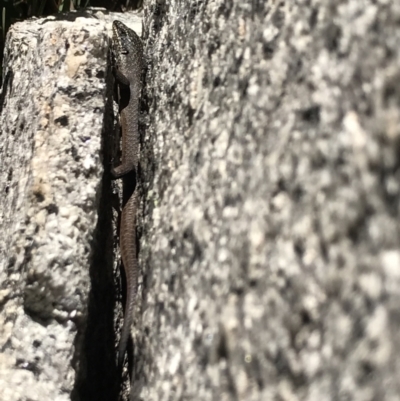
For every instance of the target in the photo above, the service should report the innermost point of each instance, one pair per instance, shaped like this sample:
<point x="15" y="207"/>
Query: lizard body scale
<point x="128" y="54"/>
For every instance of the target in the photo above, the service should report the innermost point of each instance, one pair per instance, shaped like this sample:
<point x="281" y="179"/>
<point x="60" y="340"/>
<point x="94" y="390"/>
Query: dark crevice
<point x="95" y="344"/>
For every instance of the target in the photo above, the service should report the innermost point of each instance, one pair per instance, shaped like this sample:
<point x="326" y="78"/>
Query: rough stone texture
<point x="56" y="266"/>
<point x="270" y="242"/>
<point x="269" y="225"/>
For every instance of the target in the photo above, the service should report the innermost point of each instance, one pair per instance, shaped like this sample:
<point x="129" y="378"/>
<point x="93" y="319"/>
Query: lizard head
<point x="124" y="39"/>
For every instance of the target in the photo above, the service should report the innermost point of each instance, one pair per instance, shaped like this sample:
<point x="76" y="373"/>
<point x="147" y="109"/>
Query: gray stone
<point x="268" y="226"/>
<point x="270" y="244"/>
<point x="56" y="265"/>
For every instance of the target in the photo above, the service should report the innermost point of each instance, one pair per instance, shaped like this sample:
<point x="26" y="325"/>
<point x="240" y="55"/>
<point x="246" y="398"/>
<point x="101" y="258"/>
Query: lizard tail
<point x="129" y="260"/>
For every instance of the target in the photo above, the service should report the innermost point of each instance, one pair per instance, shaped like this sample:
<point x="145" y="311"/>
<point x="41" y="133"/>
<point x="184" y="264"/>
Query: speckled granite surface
<point x="271" y="239"/>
